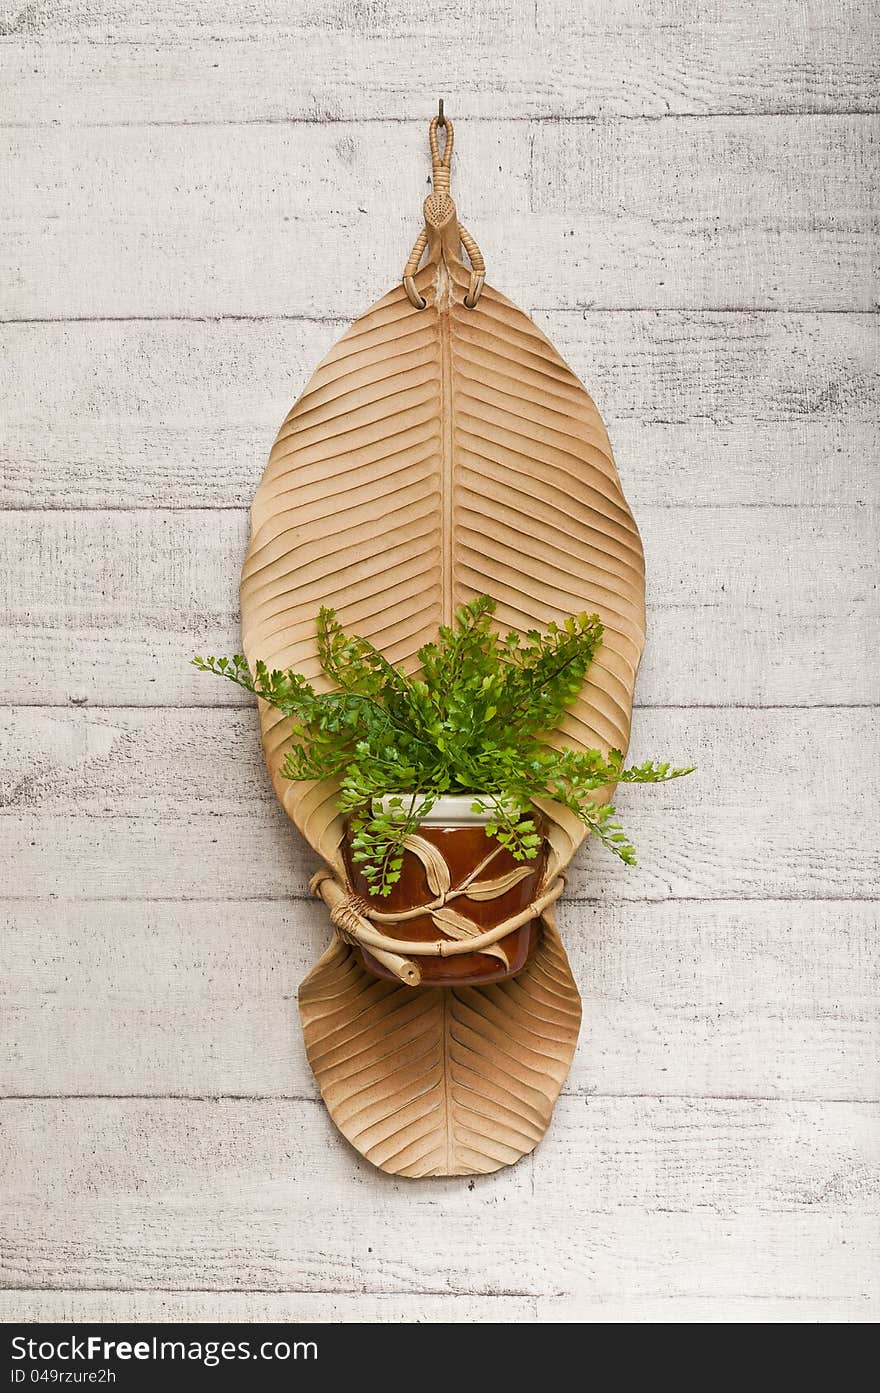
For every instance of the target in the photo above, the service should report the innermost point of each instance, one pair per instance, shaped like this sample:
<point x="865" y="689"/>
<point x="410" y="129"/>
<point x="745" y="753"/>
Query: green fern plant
<point x="474" y="720"/>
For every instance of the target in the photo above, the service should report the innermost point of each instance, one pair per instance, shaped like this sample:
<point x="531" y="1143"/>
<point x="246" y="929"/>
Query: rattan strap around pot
<point x="352" y="915"/>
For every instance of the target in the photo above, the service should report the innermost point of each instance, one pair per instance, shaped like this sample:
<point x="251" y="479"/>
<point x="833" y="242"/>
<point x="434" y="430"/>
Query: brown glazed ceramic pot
<point x="463" y="848"/>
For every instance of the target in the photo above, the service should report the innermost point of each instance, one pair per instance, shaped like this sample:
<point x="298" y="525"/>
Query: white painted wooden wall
<point x="196" y="196"/>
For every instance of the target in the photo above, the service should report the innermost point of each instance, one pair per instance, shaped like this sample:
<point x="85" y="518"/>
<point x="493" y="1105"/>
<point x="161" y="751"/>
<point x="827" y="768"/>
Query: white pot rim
<point x="450" y="810"/>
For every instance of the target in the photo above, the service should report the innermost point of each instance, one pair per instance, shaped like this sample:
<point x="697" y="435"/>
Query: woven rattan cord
<point x="439" y="210"/>
<point x="351" y="914"/>
<point x="441" y="164"/>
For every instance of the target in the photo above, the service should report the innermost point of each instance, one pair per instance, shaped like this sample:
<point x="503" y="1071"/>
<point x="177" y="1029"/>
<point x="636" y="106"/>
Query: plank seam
<point x="592" y="308"/>
<point x="404" y="1293"/>
<point x="570" y="899"/>
<point x="611" y="1299"/>
<point x="101" y="707"/>
<point x="562" y="118"/>
<point x="290" y="899"/>
<point x="782" y="1099"/>
<point x="112" y="509"/>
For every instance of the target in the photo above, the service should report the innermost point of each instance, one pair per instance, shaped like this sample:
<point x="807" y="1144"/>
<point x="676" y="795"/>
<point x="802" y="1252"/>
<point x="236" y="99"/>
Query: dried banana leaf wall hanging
<point x="443" y="449"/>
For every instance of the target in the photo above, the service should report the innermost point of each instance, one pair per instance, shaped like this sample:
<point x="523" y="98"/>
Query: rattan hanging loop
<point x="442" y="228"/>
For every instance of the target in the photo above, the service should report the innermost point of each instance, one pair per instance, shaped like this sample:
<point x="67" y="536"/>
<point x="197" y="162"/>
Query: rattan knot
<point x="347" y="915"/>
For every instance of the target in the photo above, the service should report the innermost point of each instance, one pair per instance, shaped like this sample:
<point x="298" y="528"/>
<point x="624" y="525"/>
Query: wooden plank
<point x="577" y="168"/>
<point x="698" y="1310"/>
<point x="122" y="21"/>
<point x="724" y="366"/>
<point x="708" y="999"/>
<point x="253" y="1308"/>
<point x="619" y="228"/>
<point x="108" y="607"/>
<point x="150" y="804"/>
<point x="631" y="1197"/>
<point x="106" y="62"/>
<point x="318" y="219"/>
<point x="717" y="409"/>
<point x="106" y="1306"/>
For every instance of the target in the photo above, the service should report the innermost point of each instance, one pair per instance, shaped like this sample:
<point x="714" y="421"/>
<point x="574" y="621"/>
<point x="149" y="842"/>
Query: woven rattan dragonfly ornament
<point x="442" y="452"/>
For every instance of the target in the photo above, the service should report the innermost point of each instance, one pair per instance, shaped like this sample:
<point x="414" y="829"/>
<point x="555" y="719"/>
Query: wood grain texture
<point x="688" y="1197"/>
<point x="704" y="408"/>
<point x="766" y="991"/>
<point x="129" y="803"/>
<point x="109" y="1306"/>
<point x="274" y="61"/>
<point x="699" y="1310"/>
<point x="269" y="215"/>
<point x="288" y="1307"/>
<point x="708" y="998"/>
